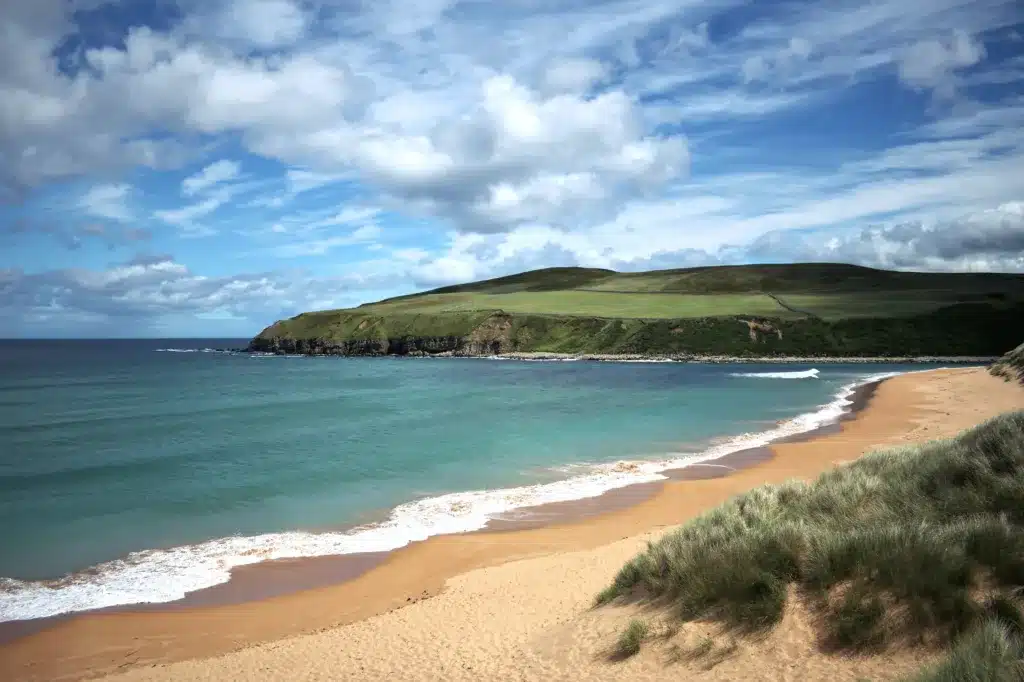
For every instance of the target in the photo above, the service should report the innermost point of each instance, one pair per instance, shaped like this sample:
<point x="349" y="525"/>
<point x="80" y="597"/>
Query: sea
<point x="138" y="471"/>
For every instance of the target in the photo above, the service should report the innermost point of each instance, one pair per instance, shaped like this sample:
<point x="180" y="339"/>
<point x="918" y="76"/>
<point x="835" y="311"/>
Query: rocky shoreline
<point x="730" y="359"/>
<point x="541" y="356"/>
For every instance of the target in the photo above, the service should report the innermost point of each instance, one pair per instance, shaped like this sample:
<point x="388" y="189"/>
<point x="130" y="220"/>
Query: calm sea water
<point x="136" y="471"/>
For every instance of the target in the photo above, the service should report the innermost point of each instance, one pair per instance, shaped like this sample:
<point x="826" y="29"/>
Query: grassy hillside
<point x="807" y="309"/>
<point x="922" y="544"/>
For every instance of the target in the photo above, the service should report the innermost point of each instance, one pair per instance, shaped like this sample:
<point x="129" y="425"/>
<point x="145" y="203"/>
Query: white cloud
<point x="187" y="216"/>
<point x="317" y="247"/>
<point x="107" y="201"/>
<point x="259" y="23"/>
<point x="210" y="176"/>
<point x="932" y="64"/>
<point x="779" y="64"/>
<point x="301" y="180"/>
<point x="575" y="75"/>
<point x="312" y="222"/>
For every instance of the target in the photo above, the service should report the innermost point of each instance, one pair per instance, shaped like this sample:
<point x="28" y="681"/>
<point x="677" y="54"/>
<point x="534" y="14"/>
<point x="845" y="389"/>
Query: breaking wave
<point x="806" y="374"/>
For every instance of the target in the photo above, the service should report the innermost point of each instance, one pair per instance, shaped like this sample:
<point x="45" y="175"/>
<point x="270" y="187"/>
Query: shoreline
<point x="98" y="643"/>
<point x="733" y="359"/>
<point x="545" y="356"/>
<point x="281" y="576"/>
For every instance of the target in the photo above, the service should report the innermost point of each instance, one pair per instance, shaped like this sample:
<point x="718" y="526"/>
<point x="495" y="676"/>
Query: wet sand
<point x="601" y="533"/>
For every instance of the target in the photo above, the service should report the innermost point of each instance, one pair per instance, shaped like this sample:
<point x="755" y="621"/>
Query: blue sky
<point x="203" y="168"/>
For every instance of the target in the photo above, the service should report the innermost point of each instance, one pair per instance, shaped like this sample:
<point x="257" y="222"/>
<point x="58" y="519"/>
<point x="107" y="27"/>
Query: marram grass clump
<point x="631" y="639"/>
<point x="1011" y="366"/>
<point x="991" y="652"/>
<point x="910" y="544"/>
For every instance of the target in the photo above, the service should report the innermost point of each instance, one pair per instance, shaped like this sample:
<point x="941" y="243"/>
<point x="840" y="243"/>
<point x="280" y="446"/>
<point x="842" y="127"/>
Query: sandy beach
<point x="509" y="604"/>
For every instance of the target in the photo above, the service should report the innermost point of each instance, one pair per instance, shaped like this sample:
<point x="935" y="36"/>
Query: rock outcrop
<point x="420" y="345"/>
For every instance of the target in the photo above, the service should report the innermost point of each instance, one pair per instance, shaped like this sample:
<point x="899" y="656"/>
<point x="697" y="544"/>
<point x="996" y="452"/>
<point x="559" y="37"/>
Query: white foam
<point x="155" y="576"/>
<point x="192" y="350"/>
<point x="523" y="359"/>
<point x="612" y="360"/>
<point x="805" y="374"/>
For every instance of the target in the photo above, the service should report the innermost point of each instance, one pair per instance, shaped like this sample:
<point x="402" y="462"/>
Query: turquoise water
<point x="136" y="471"/>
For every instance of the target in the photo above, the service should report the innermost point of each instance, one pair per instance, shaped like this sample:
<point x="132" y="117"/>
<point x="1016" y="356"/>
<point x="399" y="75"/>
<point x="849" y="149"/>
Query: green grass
<point x="876" y="304"/>
<point x="992" y="652"/>
<point x="631" y="639"/>
<point x="589" y="304"/>
<point x="904" y="545"/>
<point x="1011" y="365"/>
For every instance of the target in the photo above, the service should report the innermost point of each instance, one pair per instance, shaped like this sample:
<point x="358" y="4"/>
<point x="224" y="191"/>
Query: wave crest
<point x="805" y="374"/>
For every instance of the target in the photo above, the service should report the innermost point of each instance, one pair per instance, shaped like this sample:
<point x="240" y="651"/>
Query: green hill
<point x="811" y="309"/>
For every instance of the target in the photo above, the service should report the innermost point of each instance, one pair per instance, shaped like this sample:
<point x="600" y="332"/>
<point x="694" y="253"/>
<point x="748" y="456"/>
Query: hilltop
<point x="811" y="309"/>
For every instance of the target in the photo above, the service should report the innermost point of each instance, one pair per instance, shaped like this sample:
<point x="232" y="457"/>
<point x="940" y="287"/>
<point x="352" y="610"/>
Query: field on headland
<point x="768" y="310"/>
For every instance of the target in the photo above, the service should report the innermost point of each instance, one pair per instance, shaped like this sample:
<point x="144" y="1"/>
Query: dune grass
<point x="631" y="639"/>
<point x="1011" y="365"/>
<point x="911" y="545"/>
<point x="992" y="652"/>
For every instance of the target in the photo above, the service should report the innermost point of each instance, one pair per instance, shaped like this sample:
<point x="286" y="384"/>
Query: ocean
<point x="138" y="471"/>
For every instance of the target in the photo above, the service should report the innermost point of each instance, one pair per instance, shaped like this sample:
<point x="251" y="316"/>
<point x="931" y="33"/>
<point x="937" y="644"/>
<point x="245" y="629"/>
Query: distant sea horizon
<point x="140" y="470"/>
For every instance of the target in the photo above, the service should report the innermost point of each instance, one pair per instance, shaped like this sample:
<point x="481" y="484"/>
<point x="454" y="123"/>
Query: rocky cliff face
<point x="493" y="336"/>
<point x="429" y="345"/>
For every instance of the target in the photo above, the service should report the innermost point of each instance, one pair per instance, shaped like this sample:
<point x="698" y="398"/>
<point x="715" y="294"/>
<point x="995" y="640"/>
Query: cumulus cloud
<point x="481" y="167"/>
<point x="484" y="168"/>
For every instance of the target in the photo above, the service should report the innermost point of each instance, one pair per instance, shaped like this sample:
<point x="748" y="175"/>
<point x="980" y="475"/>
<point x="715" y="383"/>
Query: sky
<point x="206" y="167"/>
